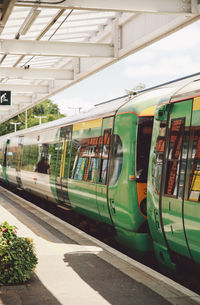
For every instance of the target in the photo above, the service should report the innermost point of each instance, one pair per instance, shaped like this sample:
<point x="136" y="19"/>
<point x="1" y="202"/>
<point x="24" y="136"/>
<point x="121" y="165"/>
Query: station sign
<point x="5" y="98"/>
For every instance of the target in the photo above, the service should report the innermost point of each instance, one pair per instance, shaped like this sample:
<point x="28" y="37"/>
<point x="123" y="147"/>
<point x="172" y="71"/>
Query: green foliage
<point x="46" y="108"/>
<point x="17" y="256"/>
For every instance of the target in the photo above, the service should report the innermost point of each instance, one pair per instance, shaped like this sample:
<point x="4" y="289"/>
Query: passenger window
<point x="174" y="157"/>
<point x="86" y="156"/>
<point x="194" y="181"/>
<point x="80" y="168"/>
<point x="12" y="156"/>
<point x="93" y="170"/>
<point x="30" y="157"/>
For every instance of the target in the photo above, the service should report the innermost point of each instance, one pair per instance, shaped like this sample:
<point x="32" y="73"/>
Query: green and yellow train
<point x="99" y="163"/>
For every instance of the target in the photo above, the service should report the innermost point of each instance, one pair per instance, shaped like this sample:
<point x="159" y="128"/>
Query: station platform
<point x="76" y="269"/>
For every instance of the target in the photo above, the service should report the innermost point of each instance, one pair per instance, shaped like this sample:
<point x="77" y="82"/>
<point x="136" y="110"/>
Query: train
<point x="132" y="163"/>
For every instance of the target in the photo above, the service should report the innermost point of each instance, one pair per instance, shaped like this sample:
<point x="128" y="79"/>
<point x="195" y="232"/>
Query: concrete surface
<point x="76" y="269"/>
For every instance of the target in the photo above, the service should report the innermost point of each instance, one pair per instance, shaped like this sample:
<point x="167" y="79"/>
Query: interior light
<point x="29" y="21"/>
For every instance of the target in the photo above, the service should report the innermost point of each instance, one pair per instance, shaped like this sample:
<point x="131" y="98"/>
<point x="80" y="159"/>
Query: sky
<point x="173" y="57"/>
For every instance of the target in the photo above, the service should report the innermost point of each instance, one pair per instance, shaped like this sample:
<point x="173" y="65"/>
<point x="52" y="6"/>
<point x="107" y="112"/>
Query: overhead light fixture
<point x="29" y="21"/>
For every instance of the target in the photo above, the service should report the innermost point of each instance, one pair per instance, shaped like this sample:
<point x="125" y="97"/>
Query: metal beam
<point x="33" y="73"/>
<point x="142" y="6"/>
<point x="52" y="48"/>
<point x="24" y="88"/>
<point x="21" y="99"/>
<point x="6" y="9"/>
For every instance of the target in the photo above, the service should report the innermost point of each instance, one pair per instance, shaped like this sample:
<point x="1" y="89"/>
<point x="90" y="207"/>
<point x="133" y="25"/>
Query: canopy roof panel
<point x="47" y="46"/>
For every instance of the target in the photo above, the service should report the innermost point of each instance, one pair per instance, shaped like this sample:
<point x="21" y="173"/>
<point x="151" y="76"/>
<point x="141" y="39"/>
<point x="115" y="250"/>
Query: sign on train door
<point x="172" y="201"/>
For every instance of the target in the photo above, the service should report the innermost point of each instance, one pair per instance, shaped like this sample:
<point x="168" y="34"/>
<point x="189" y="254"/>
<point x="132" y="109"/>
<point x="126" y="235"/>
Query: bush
<point x="17" y="256"/>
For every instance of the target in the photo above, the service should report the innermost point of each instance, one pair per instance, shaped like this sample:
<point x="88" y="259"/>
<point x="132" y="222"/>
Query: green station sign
<point x="5" y="98"/>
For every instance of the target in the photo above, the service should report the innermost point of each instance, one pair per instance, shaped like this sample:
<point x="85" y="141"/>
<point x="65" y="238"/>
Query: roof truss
<point x="47" y="47"/>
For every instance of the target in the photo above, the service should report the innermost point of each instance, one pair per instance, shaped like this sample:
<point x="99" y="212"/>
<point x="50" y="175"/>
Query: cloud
<point x="72" y="105"/>
<point x="185" y="39"/>
<point x="163" y="69"/>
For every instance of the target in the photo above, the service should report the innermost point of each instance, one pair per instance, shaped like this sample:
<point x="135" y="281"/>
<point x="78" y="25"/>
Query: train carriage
<point x="173" y="182"/>
<point x="95" y="163"/>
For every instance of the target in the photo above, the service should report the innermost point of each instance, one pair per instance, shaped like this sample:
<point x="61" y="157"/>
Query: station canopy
<point x="47" y="46"/>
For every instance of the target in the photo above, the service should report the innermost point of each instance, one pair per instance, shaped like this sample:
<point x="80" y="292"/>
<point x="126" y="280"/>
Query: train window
<point x="44" y="159"/>
<point x="25" y="157"/>
<point x="116" y="160"/>
<point x="30" y="157"/>
<point x="174" y="157"/>
<point x="93" y="170"/>
<point x="157" y="163"/>
<point x="1" y="154"/>
<point x="183" y="162"/>
<point x="145" y="125"/>
<point x="33" y="157"/>
<point x="194" y="181"/>
<point x="103" y="150"/>
<point x="53" y="151"/>
<point x="12" y="156"/>
<point x="80" y="168"/>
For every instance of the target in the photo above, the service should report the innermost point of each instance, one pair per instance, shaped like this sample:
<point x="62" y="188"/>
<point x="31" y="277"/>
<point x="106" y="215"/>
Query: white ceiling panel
<point x="47" y="46"/>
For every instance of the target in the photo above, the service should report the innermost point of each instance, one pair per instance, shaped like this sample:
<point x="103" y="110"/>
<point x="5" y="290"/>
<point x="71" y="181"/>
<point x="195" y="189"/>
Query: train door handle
<point x="156" y="217"/>
<point x="112" y="206"/>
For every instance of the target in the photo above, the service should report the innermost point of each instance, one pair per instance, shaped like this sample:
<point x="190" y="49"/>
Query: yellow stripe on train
<point x="87" y="125"/>
<point x="148" y="111"/>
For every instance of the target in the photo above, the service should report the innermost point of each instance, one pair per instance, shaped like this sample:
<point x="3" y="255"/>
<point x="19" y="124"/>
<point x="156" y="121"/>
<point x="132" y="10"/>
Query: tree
<point x="46" y="108"/>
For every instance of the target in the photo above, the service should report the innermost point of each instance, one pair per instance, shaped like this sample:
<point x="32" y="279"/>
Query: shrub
<point x="17" y="256"/>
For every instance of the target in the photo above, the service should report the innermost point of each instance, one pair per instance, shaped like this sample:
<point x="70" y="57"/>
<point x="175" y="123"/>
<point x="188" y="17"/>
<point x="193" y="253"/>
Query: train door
<point x="172" y="201"/>
<point x="192" y="189"/>
<point x="104" y="144"/>
<point x="63" y="161"/>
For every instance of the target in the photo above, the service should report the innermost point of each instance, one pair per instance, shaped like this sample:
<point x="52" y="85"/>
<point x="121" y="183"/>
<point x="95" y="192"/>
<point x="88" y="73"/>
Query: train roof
<point x="174" y="88"/>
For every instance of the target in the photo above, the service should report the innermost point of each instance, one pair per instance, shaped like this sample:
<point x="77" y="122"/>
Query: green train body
<point x="174" y="179"/>
<point x="96" y="163"/>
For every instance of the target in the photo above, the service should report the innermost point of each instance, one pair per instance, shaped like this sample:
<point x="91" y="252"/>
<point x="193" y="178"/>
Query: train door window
<point x="1" y="153"/>
<point x="12" y="155"/>
<point x="33" y="157"/>
<point x="174" y="157"/>
<point x="25" y="157"/>
<point x="116" y="160"/>
<point x="145" y="125"/>
<point x="159" y="149"/>
<point x="183" y="163"/>
<point x="44" y="159"/>
<point x="194" y="180"/>
<point x="65" y="138"/>
<point x="53" y="150"/>
<point x="104" y="149"/>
